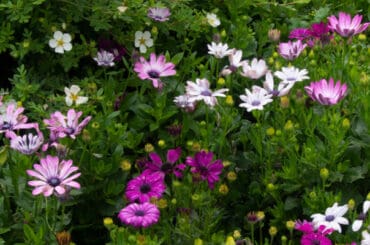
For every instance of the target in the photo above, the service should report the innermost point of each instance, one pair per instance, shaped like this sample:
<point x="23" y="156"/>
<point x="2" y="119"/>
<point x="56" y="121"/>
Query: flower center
<point x="70" y="130"/>
<point x="291" y="79"/>
<point x="6" y="126"/>
<point x="60" y="42"/>
<point x="139" y="213"/>
<point x="166" y="168"/>
<point x="153" y="74"/>
<point x="74" y="97"/>
<point x="206" y="93"/>
<point x="142" y="41"/>
<point x="362" y="216"/>
<point x="256" y="103"/>
<point x="329" y="218"/>
<point x="145" y="188"/>
<point x="54" y="181"/>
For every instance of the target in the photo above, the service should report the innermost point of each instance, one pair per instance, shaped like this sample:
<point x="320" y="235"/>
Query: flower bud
<point x="236" y="234"/>
<point x="125" y="165"/>
<point x="198" y="241"/>
<point x="290" y="224"/>
<point x="229" y="100"/>
<point x="231" y="176"/>
<point x="270" y="131"/>
<point x="223" y="189"/>
<point x="274" y="35"/>
<point x="161" y="143"/>
<point x="273" y="231"/>
<point x="324" y="173"/>
<point x="351" y="204"/>
<point x="148" y="148"/>
<point x="230" y="241"/>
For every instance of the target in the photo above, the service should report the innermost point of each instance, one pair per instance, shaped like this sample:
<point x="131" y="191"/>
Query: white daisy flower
<point x="213" y="20"/>
<point x="61" y="42"/>
<point x="219" y="50"/>
<point x="255" y="99"/>
<point x="357" y="224"/>
<point x="143" y="41"/>
<point x="332" y="218"/>
<point x="235" y="61"/>
<point x="200" y="91"/>
<point x="255" y="70"/>
<point x="72" y="96"/>
<point x="365" y="238"/>
<point x="27" y="144"/>
<point x="292" y="74"/>
<point x="282" y="89"/>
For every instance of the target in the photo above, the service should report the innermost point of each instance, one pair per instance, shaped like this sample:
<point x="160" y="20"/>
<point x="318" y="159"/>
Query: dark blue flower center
<point x="166" y="167"/>
<point x="153" y="74"/>
<point x="6" y="126"/>
<point x="145" y="188"/>
<point x="329" y="218"/>
<point x="256" y="103"/>
<point x="206" y="93"/>
<point x="139" y="213"/>
<point x="70" y="130"/>
<point x="54" y="181"/>
<point x="362" y="216"/>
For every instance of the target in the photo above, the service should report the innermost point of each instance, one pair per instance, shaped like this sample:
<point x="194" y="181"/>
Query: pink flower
<point x="346" y="26"/>
<point x="300" y="33"/>
<point x="154" y="69"/>
<point x="139" y="215"/>
<point x="156" y="164"/>
<point x="317" y="33"/>
<point x="61" y="126"/>
<point x="203" y="166"/>
<point x="291" y="50"/>
<point x="53" y="175"/>
<point x="145" y="186"/>
<point x="159" y="14"/>
<point x="28" y="143"/>
<point x="326" y="93"/>
<point x="13" y="119"/>
<point x="310" y="237"/>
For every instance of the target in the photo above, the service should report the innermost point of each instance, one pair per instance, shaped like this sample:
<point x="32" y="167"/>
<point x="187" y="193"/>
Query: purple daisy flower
<point x="159" y="14"/>
<point x="139" y="214"/>
<point x="203" y="166"/>
<point x="112" y="47"/>
<point x="312" y="237"/>
<point x="345" y="25"/>
<point x="53" y="175"/>
<point x="291" y="50"/>
<point x="168" y="167"/>
<point x="326" y="93"/>
<point x="154" y="69"/>
<point x="145" y="186"/>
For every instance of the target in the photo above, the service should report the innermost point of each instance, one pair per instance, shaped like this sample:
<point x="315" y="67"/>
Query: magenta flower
<point x="156" y="164"/>
<point x="345" y="26"/>
<point x="154" y="69"/>
<point x="112" y="47"/>
<point x="61" y="126"/>
<point x="300" y="33"/>
<point x="317" y="33"/>
<point x="291" y="50"/>
<point x="13" y="119"/>
<point x="159" y="14"/>
<point x="326" y="93"/>
<point x="139" y="215"/>
<point x="53" y="175"/>
<point x="145" y="186"/>
<point x="202" y="166"/>
<point x="310" y="237"/>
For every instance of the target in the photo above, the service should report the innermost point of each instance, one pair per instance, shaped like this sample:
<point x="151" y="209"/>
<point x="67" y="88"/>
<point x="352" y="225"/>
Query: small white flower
<point x="200" y="91"/>
<point x="291" y="74"/>
<point x="61" y="42"/>
<point x="357" y="224"/>
<point x="255" y="70"/>
<point x="255" y="99"/>
<point x="235" y="61"/>
<point x="143" y="40"/>
<point x="183" y="101"/>
<point x="332" y="218"/>
<point x="72" y="96"/>
<point x="219" y="50"/>
<point x="121" y="9"/>
<point x="282" y="89"/>
<point x="213" y="20"/>
<point x="104" y="58"/>
<point x="365" y="238"/>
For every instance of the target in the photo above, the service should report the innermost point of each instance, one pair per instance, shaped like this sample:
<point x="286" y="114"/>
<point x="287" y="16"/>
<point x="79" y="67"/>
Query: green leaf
<point x="3" y="155"/>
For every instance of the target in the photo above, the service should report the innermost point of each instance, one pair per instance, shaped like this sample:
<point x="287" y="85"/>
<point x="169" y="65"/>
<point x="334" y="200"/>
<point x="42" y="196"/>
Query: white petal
<point x="67" y="46"/>
<point x="357" y="225"/>
<point x="69" y="101"/>
<point x="81" y="100"/>
<point x="53" y="43"/>
<point x="366" y="207"/>
<point x="142" y="49"/>
<point x="75" y="89"/>
<point x="58" y="35"/>
<point x="59" y="50"/>
<point x="67" y="38"/>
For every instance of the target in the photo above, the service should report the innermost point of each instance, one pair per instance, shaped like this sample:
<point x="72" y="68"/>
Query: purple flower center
<point x="362" y="216"/>
<point x="316" y="242"/>
<point x="329" y="218"/>
<point x="140" y="213"/>
<point x="291" y="79"/>
<point x="70" y="130"/>
<point x="54" y="181"/>
<point x="256" y="103"/>
<point x="6" y="126"/>
<point x="275" y="92"/>
<point x="206" y="93"/>
<point x="166" y="168"/>
<point x="153" y="74"/>
<point x="145" y="188"/>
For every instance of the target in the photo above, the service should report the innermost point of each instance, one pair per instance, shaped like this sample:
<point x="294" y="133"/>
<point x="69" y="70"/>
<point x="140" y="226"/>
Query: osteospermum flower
<point x="61" y="126"/>
<point x="13" y="119"/>
<point x="200" y="91"/>
<point x="104" y="58"/>
<point x="291" y="50"/>
<point x="154" y="69"/>
<point x="159" y="14"/>
<point x="53" y="176"/>
<point x="255" y="99"/>
<point x="332" y="218"/>
<point x="365" y="238"/>
<point x="312" y="237"/>
<point x="61" y="42"/>
<point x="112" y="47"/>
<point x="167" y="167"/>
<point x="235" y="61"/>
<point x="145" y="186"/>
<point x="143" y="41"/>
<point x="184" y="102"/>
<point x="213" y="20"/>
<point x="73" y="97"/>
<point x="206" y="169"/>
<point x="357" y="224"/>
<point x="28" y="143"/>
<point x="254" y="70"/>
<point x="291" y="74"/>
<point x="139" y="214"/>
<point x="219" y="50"/>
<point x="282" y="89"/>
<point x="326" y="93"/>
<point x="345" y="26"/>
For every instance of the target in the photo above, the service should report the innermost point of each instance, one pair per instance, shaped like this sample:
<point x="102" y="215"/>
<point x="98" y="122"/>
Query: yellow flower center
<point x="74" y="97"/>
<point x="60" y="42"/>
<point x="142" y="41"/>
